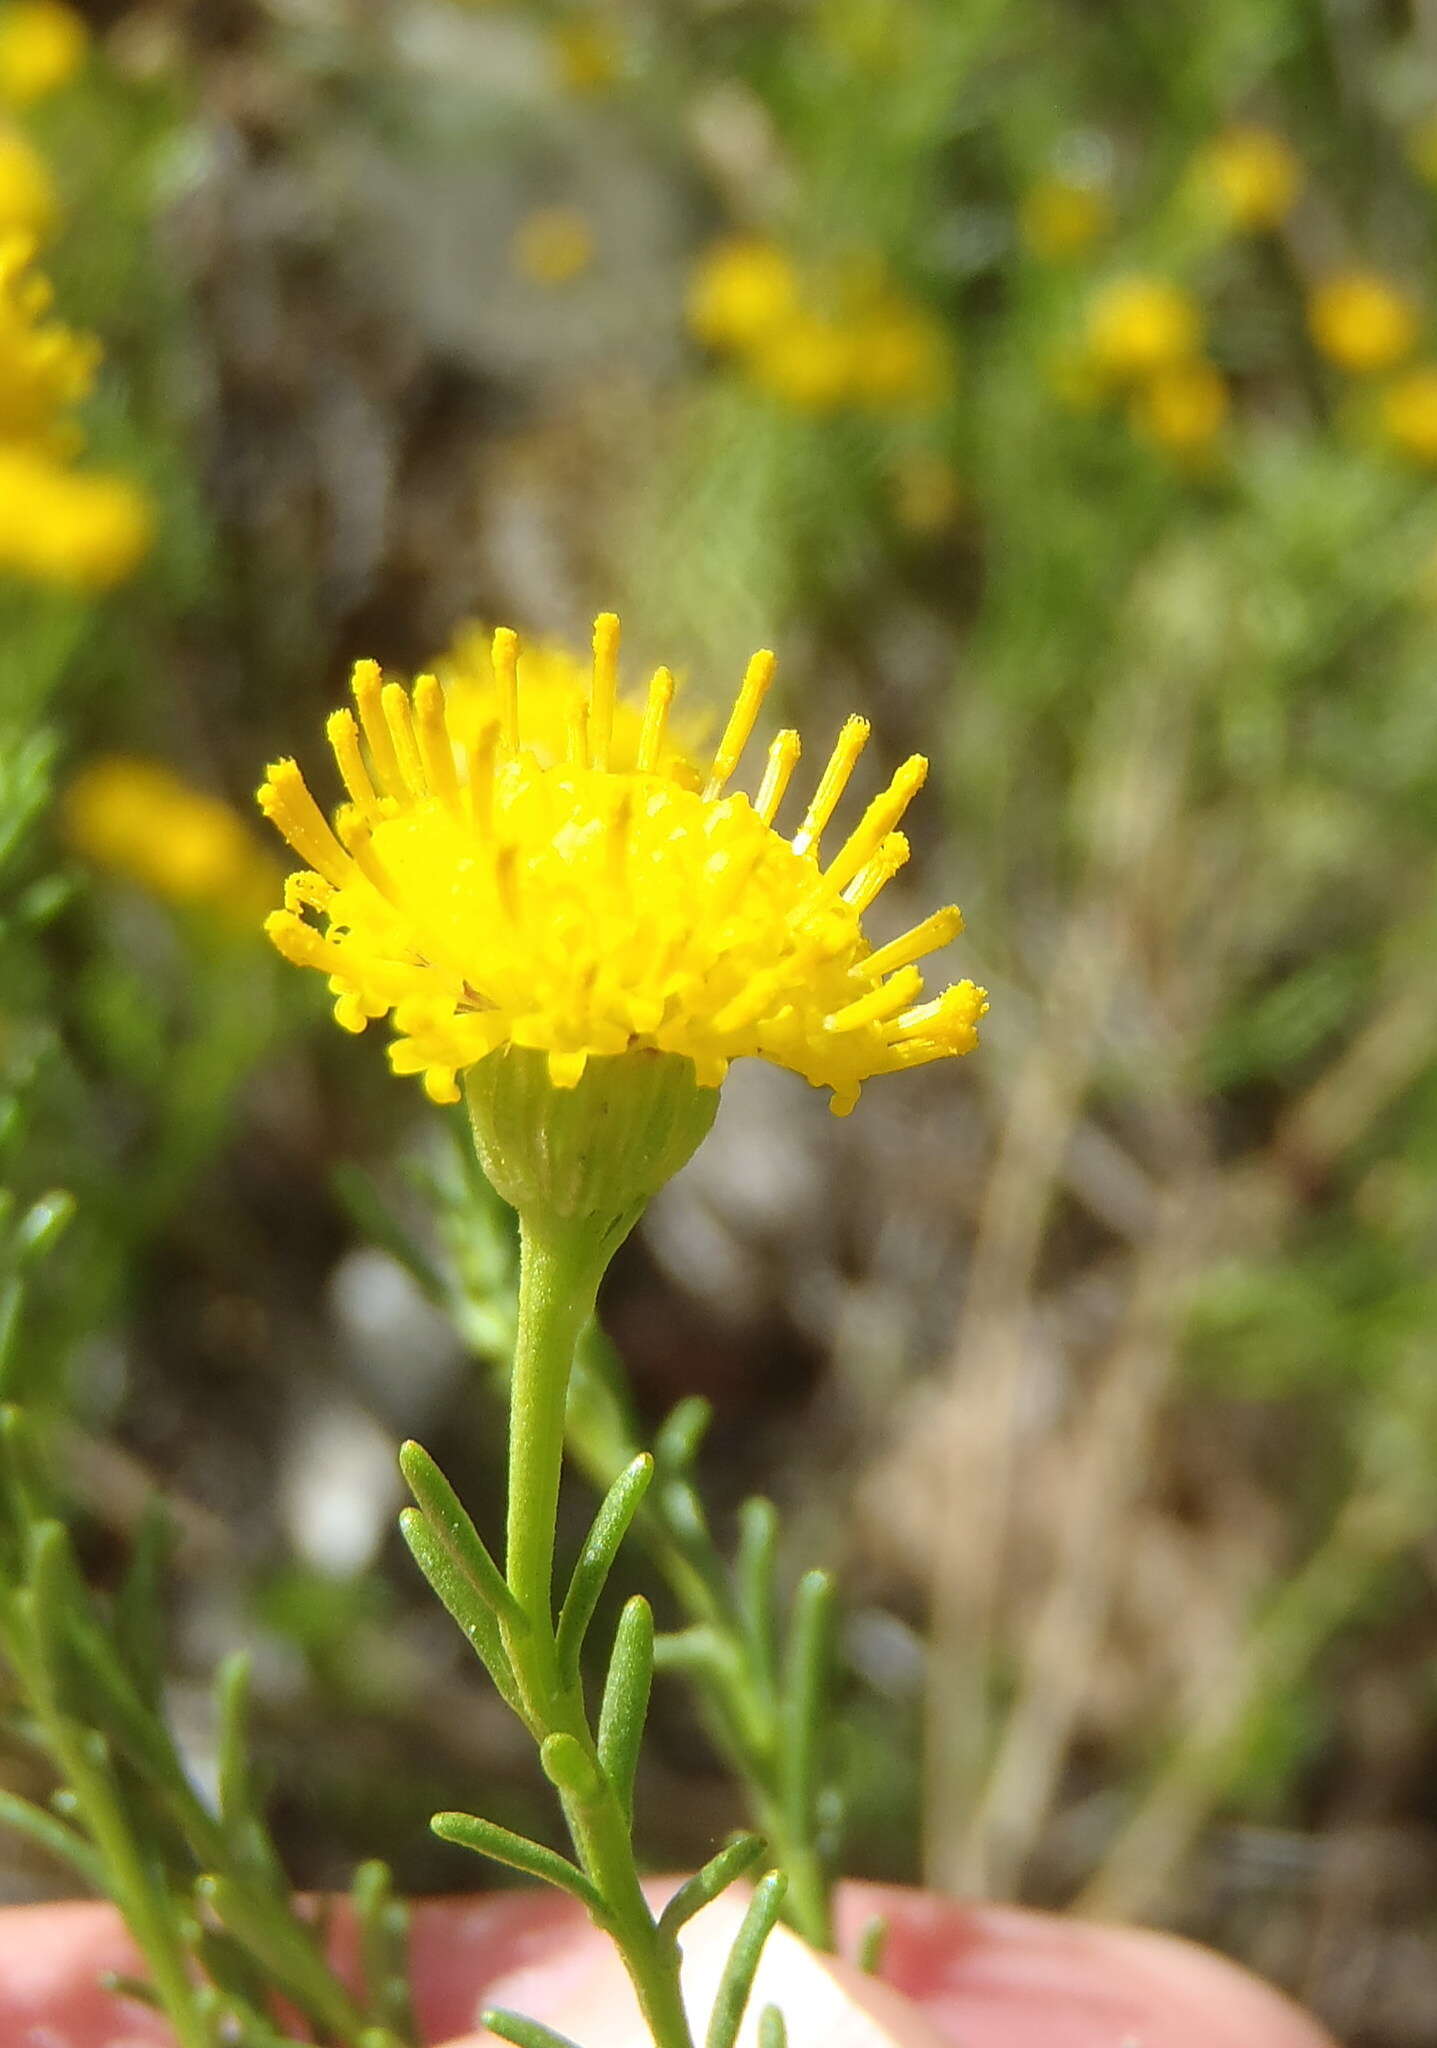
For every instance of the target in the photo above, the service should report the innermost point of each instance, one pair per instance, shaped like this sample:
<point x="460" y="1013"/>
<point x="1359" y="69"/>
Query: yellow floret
<point x="1362" y="322"/>
<point x="42" y="45"/>
<point x="485" y="898"/>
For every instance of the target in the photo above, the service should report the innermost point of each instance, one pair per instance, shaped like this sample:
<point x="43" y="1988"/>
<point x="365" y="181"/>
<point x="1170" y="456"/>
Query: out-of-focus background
<point x="1054" y="383"/>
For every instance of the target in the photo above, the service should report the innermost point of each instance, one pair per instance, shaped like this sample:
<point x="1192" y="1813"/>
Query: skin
<point x="981" y="1977"/>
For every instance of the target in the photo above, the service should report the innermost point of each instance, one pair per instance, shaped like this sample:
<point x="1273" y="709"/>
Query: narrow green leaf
<point x="383" y="1923"/>
<point x="53" y="1836"/>
<point x="716" y="1876"/>
<point x="680" y="1435"/>
<point x="456" y="1592"/>
<point x="42" y="1225"/>
<point x="139" y="1607"/>
<point x="772" y="2028"/>
<point x="516" y="1852"/>
<point x="288" y="1952"/>
<point x="754" y="1574"/>
<point x="806" y="1679"/>
<point x="625" y="1705"/>
<point x="872" y="1943"/>
<point x="115" y="1984"/>
<point x="610" y="1526"/>
<point x="738" y="1973"/>
<point x="444" y="1513"/>
<point x="513" y="2027"/>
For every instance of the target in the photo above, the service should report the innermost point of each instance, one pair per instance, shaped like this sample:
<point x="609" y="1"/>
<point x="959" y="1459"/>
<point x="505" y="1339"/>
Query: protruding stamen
<point x="368" y="684"/>
<point x="343" y="736"/>
<point x="287" y="803"/>
<point x="301" y="944"/>
<point x="876" y="873"/>
<point x="935" y="931"/>
<point x="604" y="688"/>
<point x="399" y="717"/>
<point x="359" y="845"/>
<point x="504" y="660"/>
<point x="877" y="822"/>
<point x="841" y="762"/>
<point x="782" y="760"/>
<point x="436" y="750"/>
<point x="752" y="691"/>
<point x="656" y="718"/>
<point x="879" y="1004"/>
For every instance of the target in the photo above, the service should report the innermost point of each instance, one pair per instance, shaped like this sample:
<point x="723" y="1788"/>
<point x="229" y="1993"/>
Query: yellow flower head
<point x="1249" y="176"/>
<point x="485" y="899"/>
<point x="1060" y="217"/>
<point x="45" y="368"/>
<point x="1182" y="409"/>
<point x="1361" y="322"/>
<point x="27" y="192"/>
<point x="138" y="820"/>
<point x="1137" y="325"/>
<point x="78" y="529"/>
<point x="42" y="46"/>
<point x="742" y="289"/>
<point x="553" y="245"/>
<point x="1408" y="413"/>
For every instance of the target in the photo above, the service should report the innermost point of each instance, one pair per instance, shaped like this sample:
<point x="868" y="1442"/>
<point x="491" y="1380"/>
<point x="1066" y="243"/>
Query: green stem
<point x="561" y="1265"/>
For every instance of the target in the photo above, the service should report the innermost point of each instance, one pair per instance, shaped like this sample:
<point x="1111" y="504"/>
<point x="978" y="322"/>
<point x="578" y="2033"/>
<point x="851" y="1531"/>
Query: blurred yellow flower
<point x="45" y="368"/>
<point x="1181" y="409"/>
<point x="587" y="54"/>
<point x="1249" y="175"/>
<point x="899" y="356"/>
<point x="485" y="900"/>
<point x="42" y="45"/>
<point x="27" y="191"/>
<point x="553" y="245"/>
<point x="78" y="529"/>
<point x="742" y="289"/>
<point x="1139" y="324"/>
<point x="808" y="362"/>
<point x="139" y="821"/>
<point x="1361" y="322"/>
<point x="551" y="680"/>
<point x="1060" y="217"/>
<point x="1407" y="412"/>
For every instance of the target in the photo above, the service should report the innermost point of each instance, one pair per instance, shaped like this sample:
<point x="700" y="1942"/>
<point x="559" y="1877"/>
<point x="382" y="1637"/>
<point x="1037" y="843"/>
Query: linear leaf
<point x="738" y="1973"/>
<point x="512" y="2026"/>
<point x="716" y="1875"/>
<point x="754" y="1576"/>
<point x="625" y="1705"/>
<point x="455" y="1591"/>
<point x="53" y="1836"/>
<point x="772" y="2028"/>
<point x="445" y="1514"/>
<point x="517" y="1852"/>
<point x="805" y="1690"/>
<point x="610" y="1526"/>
